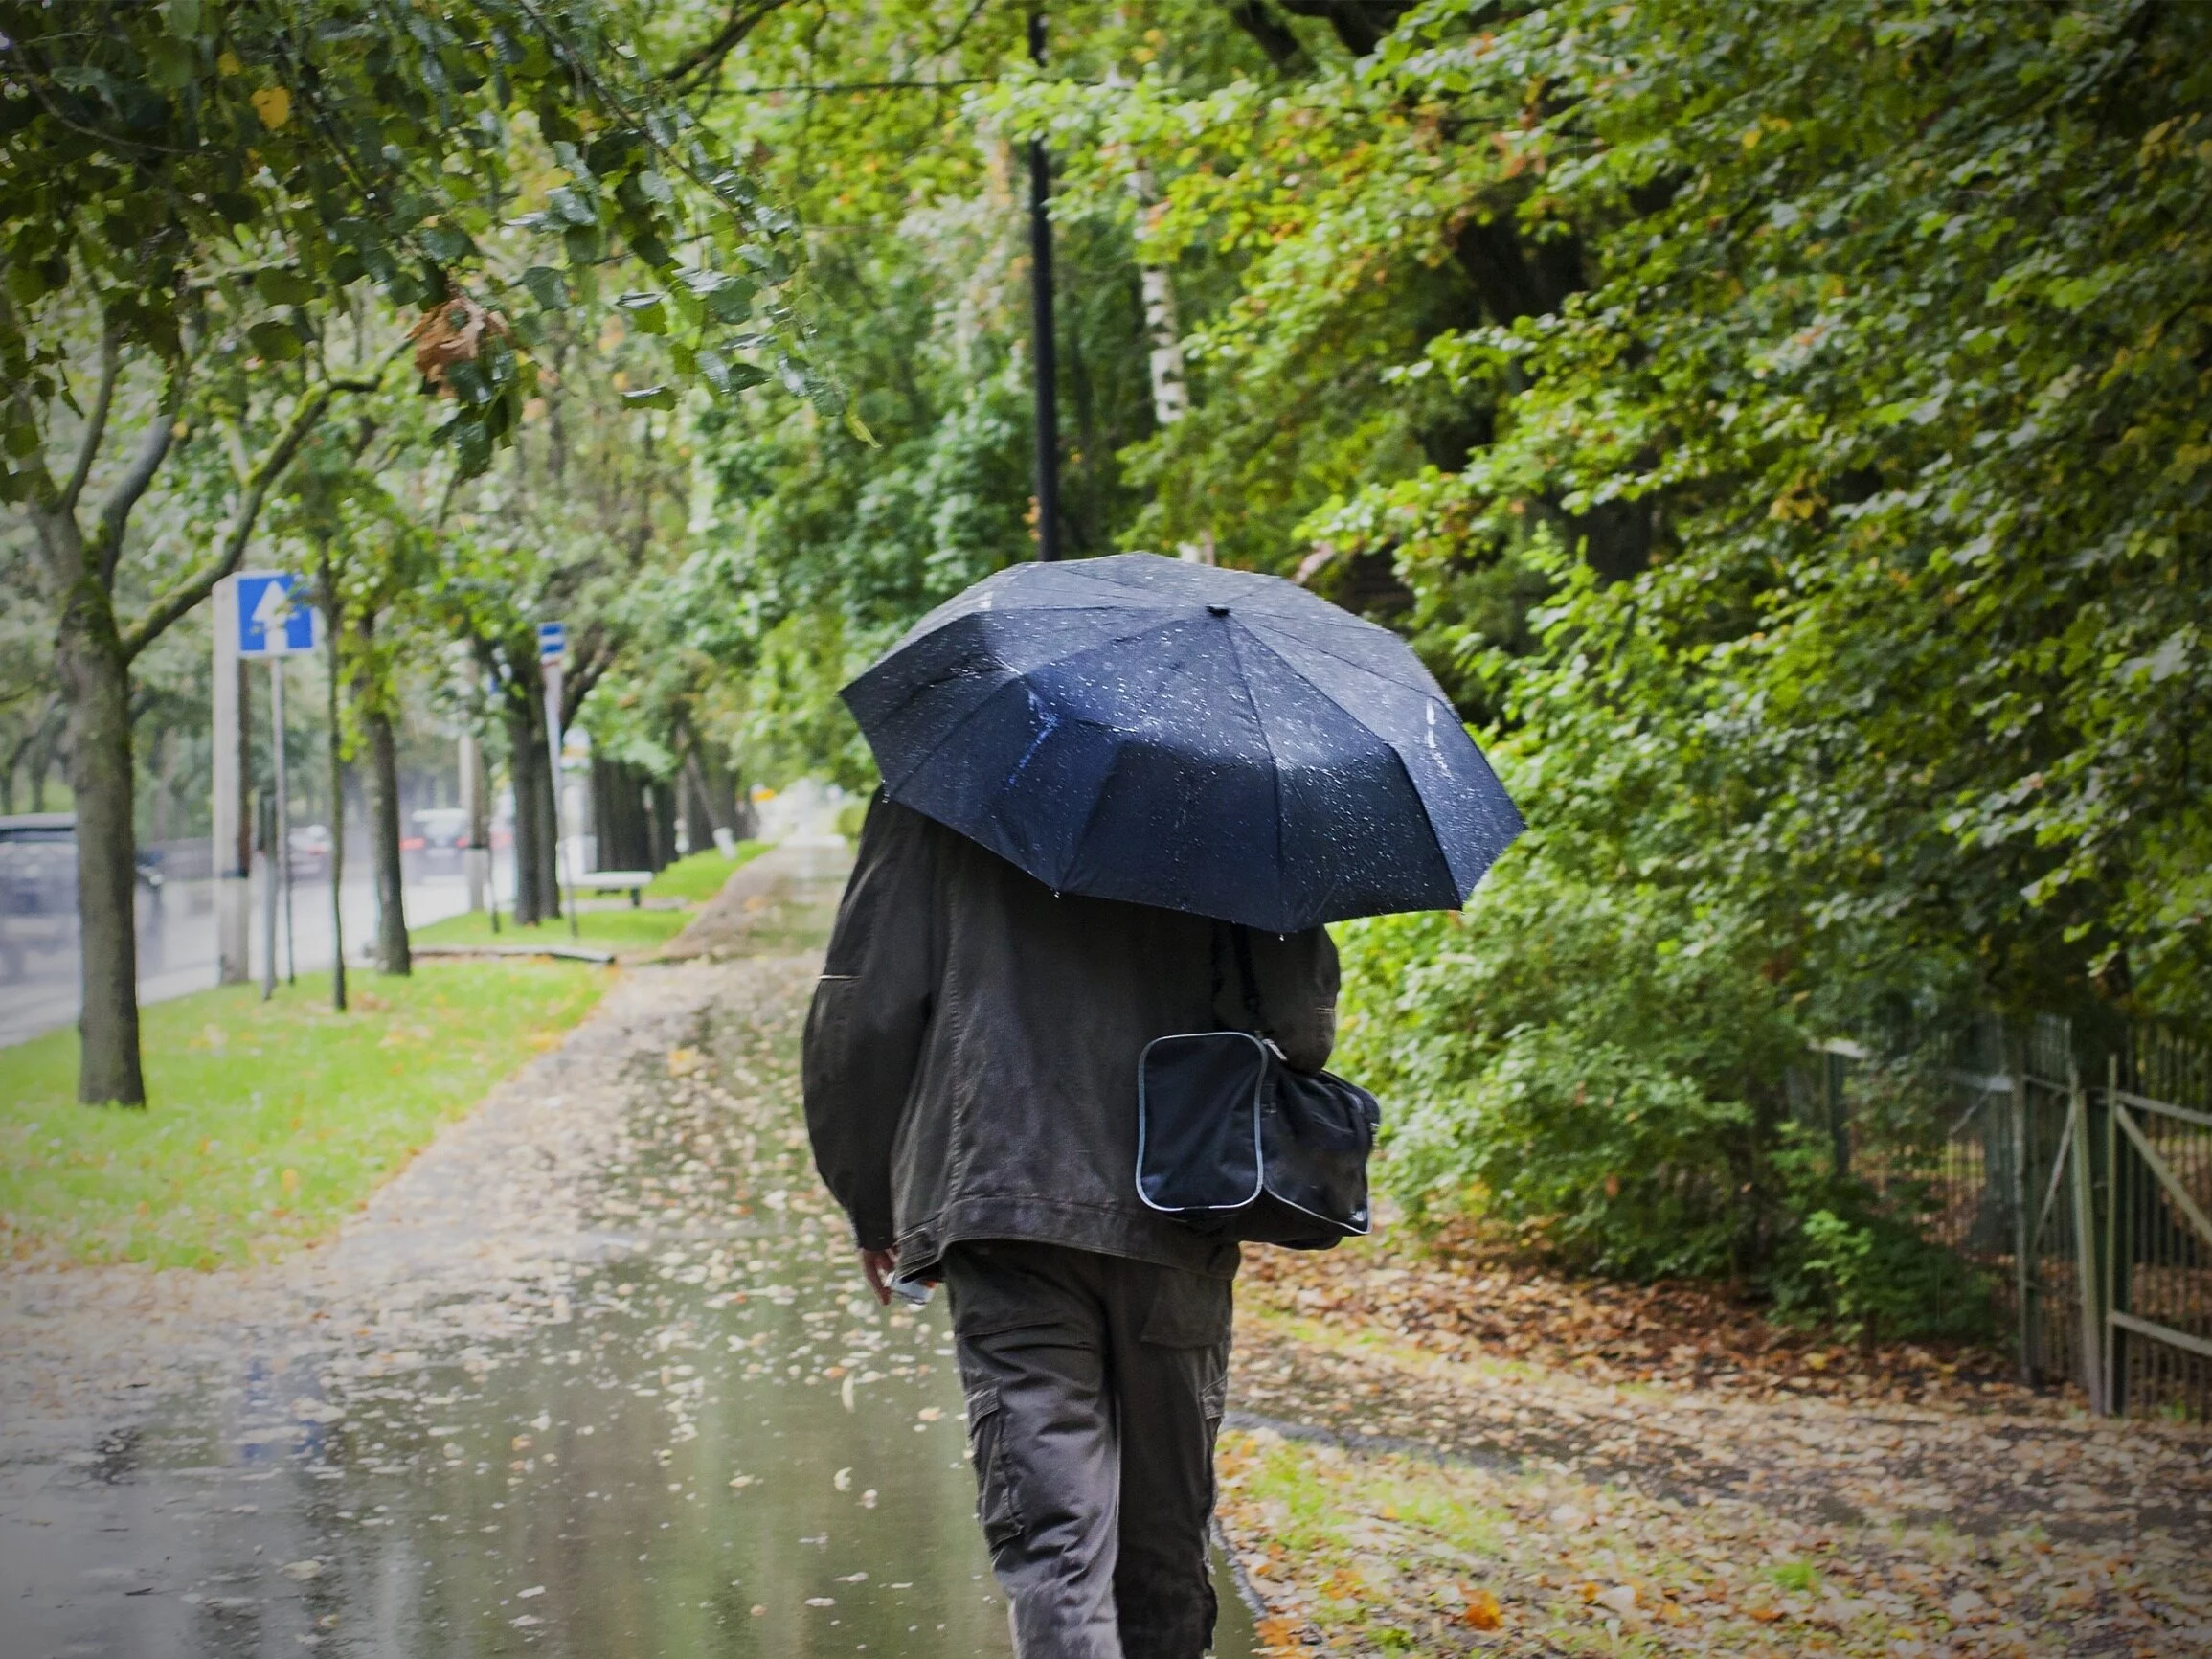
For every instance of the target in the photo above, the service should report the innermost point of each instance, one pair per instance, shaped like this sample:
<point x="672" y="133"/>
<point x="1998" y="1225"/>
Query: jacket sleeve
<point x="1298" y="989"/>
<point x="871" y="1014"/>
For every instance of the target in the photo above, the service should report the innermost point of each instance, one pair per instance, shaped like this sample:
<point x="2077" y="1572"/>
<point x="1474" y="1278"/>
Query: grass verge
<point x="622" y="931"/>
<point x="700" y="876"/>
<point x="610" y="926"/>
<point x="269" y="1122"/>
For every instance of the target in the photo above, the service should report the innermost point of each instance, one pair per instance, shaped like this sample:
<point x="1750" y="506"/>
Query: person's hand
<point x="879" y="1267"/>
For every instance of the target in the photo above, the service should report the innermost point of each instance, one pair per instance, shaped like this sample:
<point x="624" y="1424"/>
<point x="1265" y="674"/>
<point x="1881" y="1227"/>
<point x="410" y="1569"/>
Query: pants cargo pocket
<point x="1188" y="1310"/>
<point x="997" y="1505"/>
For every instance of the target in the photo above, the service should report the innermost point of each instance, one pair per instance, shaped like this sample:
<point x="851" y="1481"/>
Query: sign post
<point x="231" y="863"/>
<point x="272" y="620"/>
<point x="283" y="842"/>
<point x="553" y="650"/>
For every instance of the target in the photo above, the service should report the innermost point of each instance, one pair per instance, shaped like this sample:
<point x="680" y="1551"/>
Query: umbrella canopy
<point x="1207" y="740"/>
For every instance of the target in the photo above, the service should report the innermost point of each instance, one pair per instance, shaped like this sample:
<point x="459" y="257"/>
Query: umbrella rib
<point x="1319" y="649"/>
<point x="1274" y="761"/>
<point x="1010" y="677"/>
<point x="1413" y="786"/>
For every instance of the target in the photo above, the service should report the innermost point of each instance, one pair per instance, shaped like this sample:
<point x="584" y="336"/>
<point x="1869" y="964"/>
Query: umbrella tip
<point x="1217" y="610"/>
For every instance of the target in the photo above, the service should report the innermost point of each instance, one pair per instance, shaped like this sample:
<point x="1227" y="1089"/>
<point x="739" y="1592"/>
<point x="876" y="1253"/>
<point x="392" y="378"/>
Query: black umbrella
<point x="1207" y="740"/>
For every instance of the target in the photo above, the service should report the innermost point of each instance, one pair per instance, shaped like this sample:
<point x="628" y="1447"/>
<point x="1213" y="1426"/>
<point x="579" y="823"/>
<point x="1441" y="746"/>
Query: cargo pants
<point x="1094" y="1392"/>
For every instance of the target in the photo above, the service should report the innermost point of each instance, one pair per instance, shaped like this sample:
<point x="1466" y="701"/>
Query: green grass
<point x="268" y="1123"/>
<point x="699" y="878"/>
<point x="622" y="931"/>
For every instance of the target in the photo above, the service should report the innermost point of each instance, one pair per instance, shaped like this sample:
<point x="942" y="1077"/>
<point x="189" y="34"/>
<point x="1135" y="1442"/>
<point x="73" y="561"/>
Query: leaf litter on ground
<point x="1438" y="1449"/>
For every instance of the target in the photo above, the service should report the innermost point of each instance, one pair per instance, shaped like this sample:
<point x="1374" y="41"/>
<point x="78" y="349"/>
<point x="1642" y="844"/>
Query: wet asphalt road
<point x="699" y="1437"/>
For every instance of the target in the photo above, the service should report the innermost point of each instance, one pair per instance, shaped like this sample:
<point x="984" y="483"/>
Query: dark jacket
<point x="971" y="1055"/>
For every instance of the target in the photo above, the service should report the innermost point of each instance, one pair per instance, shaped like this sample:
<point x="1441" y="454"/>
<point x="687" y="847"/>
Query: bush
<point x="1596" y="1067"/>
<point x="1872" y="1272"/>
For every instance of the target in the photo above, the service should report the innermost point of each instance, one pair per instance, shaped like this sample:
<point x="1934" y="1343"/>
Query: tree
<point x="243" y="193"/>
<point x="1783" y="425"/>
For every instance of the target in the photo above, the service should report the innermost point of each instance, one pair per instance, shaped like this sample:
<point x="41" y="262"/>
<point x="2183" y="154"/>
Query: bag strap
<point x="1251" y="1009"/>
<point x="1254" y="1015"/>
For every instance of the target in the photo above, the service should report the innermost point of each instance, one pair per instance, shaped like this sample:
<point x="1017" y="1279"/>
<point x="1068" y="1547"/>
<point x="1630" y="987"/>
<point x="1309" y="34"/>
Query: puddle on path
<point x="712" y="1443"/>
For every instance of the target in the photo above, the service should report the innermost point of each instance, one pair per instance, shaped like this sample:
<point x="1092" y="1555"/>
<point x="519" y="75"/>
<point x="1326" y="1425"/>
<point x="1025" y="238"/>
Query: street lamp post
<point x="1047" y="365"/>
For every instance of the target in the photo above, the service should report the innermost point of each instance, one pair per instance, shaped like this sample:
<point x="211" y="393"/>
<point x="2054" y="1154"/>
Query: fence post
<point x="2117" y="1246"/>
<point x="2092" y="1319"/>
<point x="2022" y="1224"/>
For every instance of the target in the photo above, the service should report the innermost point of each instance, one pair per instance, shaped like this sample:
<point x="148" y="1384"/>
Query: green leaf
<point x="571" y="207"/>
<point x="447" y="245"/>
<point x="274" y="341"/>
<point x="725" y="376"/>
<point x="651" y="398"/>
<point x="469" y="383"/>
<point x="545" y="287"/>
<point x="281" y="288"/>
<point x="645" y="311"/>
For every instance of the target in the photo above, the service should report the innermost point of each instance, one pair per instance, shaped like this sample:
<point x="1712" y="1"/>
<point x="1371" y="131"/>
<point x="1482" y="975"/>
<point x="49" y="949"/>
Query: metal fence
<point x="2076" y="1197"/>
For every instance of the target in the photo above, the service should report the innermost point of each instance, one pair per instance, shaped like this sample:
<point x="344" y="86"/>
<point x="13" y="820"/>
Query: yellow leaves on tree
<point x="273" y="105"/>
<point x="452" y="331"/>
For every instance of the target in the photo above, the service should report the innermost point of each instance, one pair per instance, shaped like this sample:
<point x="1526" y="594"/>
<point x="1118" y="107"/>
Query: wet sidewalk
<point x="594" y="1378"/>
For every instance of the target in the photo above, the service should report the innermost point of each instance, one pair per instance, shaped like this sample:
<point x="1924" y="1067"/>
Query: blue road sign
<point x="553" y="642"/>
<point x="274" y="618"/>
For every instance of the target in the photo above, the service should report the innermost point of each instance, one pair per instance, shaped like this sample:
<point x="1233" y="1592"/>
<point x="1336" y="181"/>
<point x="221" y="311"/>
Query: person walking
<point x="970" y="1074"/>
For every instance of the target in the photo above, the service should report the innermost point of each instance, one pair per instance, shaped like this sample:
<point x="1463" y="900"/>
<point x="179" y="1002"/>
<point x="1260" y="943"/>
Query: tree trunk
<point x="523" y="766"/>
<point x="661" y="808"/>
<point x="334" y="631"/>
<point x="95" y="675"/>
<point x="621" y="815"/>
<point x="537" y="885"/>
<point x="392" y="949"/>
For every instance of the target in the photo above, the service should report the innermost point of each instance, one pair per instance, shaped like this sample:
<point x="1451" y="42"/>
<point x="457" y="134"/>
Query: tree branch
<point x="186" y="594"/>
<point x="95" y="422"/>
<point x="105" y="545"/>
<point x="595" y="659"/>
<point x="1270" y="35"/>
<point x="705" y="59"/>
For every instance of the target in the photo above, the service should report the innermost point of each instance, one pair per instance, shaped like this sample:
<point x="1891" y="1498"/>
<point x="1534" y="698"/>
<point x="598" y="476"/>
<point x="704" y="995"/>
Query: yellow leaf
<point x="1482" y="1611"/>
<point x="273" y="105"/>
<point x="229" y="63"/>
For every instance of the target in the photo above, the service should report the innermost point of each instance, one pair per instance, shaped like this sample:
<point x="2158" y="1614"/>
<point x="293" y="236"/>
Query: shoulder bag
<point x="1231" y="1138"/>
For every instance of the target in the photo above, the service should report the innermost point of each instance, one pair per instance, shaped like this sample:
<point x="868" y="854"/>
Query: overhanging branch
<point x="180" y="599"/>
<point x="96" y="422"/>
<point x="702" y="60"/>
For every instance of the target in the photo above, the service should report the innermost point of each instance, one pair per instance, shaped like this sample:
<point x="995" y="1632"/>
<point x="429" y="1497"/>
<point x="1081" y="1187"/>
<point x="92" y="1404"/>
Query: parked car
<point x="38" y="865"/>
<point x="308" y="847"/>
<point x="441" y="836"/>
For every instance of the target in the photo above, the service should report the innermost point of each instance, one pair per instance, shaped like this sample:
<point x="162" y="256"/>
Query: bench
<point x="634" y="882"/>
